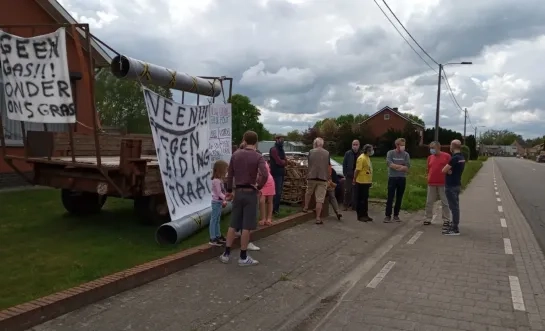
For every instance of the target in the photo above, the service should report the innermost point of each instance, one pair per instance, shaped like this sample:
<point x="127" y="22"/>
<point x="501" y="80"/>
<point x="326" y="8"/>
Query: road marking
<point x="495" y="188"/>
<point x="414" y="238"/>
<point x="381" y="274"/>
<point x="497" y="193"/>
<point x="499" y="200"/>
<point x="500" y="209"/>
<point x="516" y="294"/>
<point x="503" y="222"/>
<point x="507" y="246"/>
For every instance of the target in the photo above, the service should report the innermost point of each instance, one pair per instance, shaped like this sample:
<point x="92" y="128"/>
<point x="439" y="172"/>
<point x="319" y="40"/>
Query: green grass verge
<point x="417" y="181"/>
<point x="44" y="250"/>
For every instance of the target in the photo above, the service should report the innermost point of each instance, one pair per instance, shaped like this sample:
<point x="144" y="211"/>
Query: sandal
<point x="261" y="223"/>
<point x="268" y="223"/>
<point x="319" y="222"/>
<point x="305" y="210"/>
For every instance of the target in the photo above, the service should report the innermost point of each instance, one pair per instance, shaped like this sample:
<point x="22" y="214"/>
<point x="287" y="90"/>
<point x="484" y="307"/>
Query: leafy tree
<point x="445" y="136"/>
<point x="309" y="135"/>
<point x="499" y="137"/>
<point x="414" y="118"/>
<point x="294" y="135"/>
<point x="535" y="141"/>
<point x="328" y="129"/>
<point x="471" y="143"/>
<point x="246" y="117"/>
<point x="360" y="118"/>
<point x="120" y="103"/>
<point x="465" y="152"/>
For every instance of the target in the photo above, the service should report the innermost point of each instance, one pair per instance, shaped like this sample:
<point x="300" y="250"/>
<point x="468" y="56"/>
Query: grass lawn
<point x="416" y="191"/>
<point x="44" y="250"/>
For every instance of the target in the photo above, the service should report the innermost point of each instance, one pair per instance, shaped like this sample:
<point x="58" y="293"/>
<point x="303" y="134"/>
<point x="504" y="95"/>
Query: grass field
<point x="44" y="250"/>
<point x="416" y="191"/>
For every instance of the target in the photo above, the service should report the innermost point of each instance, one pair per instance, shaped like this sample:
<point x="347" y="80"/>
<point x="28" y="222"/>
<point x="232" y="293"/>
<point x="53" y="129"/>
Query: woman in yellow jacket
<point x="363" y="179"/>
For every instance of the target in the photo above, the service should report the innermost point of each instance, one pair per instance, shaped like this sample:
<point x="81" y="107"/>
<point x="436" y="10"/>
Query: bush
<point x="470" y="170"/>
<point x="465" y="152"/>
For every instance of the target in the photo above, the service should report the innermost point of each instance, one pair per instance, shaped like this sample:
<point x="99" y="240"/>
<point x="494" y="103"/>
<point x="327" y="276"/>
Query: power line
<point x="416" y="42"/>
<point x="402" y="36"/>
<point x="453" y="98"/>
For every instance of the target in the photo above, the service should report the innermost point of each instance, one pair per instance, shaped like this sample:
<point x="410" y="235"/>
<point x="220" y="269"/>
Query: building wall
<point x="378" y="125"/>
<point x="28" y="12"/>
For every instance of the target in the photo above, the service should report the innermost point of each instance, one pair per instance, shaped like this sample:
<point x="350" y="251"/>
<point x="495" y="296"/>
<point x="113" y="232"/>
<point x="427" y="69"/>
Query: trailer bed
<point x="106" y="161"/>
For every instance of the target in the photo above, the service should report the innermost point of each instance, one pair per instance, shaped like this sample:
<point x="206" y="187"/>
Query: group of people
<point x="444" y="182"/>
<point x="252" y="182"/>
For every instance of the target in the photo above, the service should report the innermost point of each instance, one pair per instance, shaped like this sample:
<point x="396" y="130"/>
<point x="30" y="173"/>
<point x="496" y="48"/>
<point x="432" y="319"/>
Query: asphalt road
<point x="526" y="181"/>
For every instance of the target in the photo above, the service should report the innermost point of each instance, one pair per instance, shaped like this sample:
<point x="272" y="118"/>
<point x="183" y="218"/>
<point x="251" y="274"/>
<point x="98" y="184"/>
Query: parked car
<point x="339" y="190"/>
<point x="540" y="158"/>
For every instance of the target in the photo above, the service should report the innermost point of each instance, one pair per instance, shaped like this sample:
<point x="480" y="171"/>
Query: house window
<point x="13" y="134"/>
<point x="386" y="117"/>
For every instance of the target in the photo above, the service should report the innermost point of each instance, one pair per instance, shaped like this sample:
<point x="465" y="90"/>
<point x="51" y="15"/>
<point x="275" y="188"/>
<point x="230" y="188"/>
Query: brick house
<point x="29" y="18"/>
<point x="390" y="118"/>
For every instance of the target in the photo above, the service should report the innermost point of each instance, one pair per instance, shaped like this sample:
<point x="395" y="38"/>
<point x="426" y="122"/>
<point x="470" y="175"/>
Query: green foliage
<point x="415" y="118"/>
<point x="120" y="103"/>
<point x="246" y="117"/>
<point x="465" y="152"/>
<point x="472" y="144"/>
<point x="482" y="158"/>
<point x="294" y="135"/>
<point x="445" y="136"/>
<point x="499" y="137"/>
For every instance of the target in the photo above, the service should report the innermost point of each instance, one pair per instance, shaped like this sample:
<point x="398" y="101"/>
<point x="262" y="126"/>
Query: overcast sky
<point x="304" y="60"/>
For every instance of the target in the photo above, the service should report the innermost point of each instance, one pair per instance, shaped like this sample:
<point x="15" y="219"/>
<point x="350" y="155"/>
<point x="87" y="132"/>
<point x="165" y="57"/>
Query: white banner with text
<point x="36" y="78"/>
<point x="180" y="134"/>
<point x="220" y="132"/>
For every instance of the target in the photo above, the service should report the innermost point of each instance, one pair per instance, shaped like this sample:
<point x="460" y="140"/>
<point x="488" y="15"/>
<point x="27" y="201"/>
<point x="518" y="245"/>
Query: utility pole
<point x="465" y="124"/>
<point x="436" y="131"/>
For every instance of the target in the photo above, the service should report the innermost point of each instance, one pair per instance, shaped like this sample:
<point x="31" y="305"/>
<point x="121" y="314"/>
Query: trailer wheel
<point x="82" y="203"/>
<point x="152" y="210"/>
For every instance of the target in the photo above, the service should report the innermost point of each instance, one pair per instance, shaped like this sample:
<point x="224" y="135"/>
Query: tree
<point x="471" y="143"/>
<point x="445" y="136"/>
<point x="309" y="135"/>
<point x="499" y="137"/>
<point x="328" y="129"/>
<point x="414" y="118"/>
<point x="535" y="141"/>
<point x="360" y="118"/>
<point x="294" y="135"/>
<point x="120" y="103"/>
<point x="246" y="117"/>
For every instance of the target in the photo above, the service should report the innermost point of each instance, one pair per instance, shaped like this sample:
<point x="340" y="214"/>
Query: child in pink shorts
<point x="266" y="200"/>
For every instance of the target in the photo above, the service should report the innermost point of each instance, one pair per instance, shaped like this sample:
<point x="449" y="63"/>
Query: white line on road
<point x="414" y="238"/>
<point x="381" y="274"/>
<point x="500" y="209"/>
<point x="498" y="199"/>
<point x="497" y="193"/>
<point x="503" y="222"/>
<point x="507" y="246"/>
<point x="516" y="293"/>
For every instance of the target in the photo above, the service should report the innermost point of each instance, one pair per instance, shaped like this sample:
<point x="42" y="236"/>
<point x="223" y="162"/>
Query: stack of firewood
<point x="295" y="182"/>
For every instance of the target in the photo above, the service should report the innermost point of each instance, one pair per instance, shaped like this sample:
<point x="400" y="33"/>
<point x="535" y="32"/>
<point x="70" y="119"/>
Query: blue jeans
<point x="396" y="188"/>
<point x="453" y="198"/>
<point x="215" y="217"/>
<point x="278" y="186"/>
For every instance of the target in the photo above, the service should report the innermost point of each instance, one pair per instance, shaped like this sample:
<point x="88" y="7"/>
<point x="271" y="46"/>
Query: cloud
<point x="303" y="60"/>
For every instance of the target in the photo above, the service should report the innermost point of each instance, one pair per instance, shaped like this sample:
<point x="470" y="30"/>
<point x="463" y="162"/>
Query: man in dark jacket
<point x="278" y="170"/>
<point x="349" y="165"/>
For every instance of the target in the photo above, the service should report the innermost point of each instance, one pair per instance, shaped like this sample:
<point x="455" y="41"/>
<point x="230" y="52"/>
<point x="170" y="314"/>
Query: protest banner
<point x="220" y="132"/>
<point x="180" y="134"/>
<point x="36" y="78"/>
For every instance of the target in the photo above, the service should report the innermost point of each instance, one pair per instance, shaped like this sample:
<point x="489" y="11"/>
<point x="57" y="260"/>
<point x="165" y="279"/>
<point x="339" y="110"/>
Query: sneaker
<point x="224" y="258"/>
<point x="451" y="232"/>
<point x="387" y="219"/>
<point x="369" y="219"/>
<point x="396" y="218"/>
<point x="247" y="262"/>
<point x="222" y="240"/>
<point x="252" y="247"/>
<point x="215" y="242"/>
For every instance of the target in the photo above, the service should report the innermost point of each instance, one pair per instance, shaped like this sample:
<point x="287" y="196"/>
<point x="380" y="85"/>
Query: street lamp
<point x="436" y="133"/>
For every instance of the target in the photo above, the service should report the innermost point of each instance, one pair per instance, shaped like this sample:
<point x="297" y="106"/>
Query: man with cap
<point x="278" y="169"/>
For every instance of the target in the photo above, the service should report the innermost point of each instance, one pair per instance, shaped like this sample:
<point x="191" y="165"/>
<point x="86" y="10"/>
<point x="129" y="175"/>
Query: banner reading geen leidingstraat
<point x="36" y="78"/>
<point x="180" y="134"/>
<point x="220" y="132"/>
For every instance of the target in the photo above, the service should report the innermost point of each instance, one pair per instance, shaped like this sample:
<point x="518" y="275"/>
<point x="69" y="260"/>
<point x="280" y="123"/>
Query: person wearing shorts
<point x="318" y="175"/>
<point x="250" y="174"/>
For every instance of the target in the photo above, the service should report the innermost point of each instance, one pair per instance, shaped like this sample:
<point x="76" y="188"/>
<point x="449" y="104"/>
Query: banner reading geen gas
<point x="36" y="78"/>
<point x="220" y="121"/>
<point x="180" y="134"/>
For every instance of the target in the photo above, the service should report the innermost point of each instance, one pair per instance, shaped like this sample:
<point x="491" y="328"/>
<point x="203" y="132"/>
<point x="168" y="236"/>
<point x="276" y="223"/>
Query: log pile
<point x="295" y="182"/>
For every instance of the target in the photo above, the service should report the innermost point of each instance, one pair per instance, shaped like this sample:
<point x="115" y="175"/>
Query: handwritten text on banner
<point x="220" y="132"/>
<point x="36" y="78"/>
<point x="180" y="134"/>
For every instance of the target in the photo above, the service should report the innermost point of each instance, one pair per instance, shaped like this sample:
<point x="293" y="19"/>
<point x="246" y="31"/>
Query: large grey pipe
<point x="176" y="231"/>
<point x="124" y="67"/>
